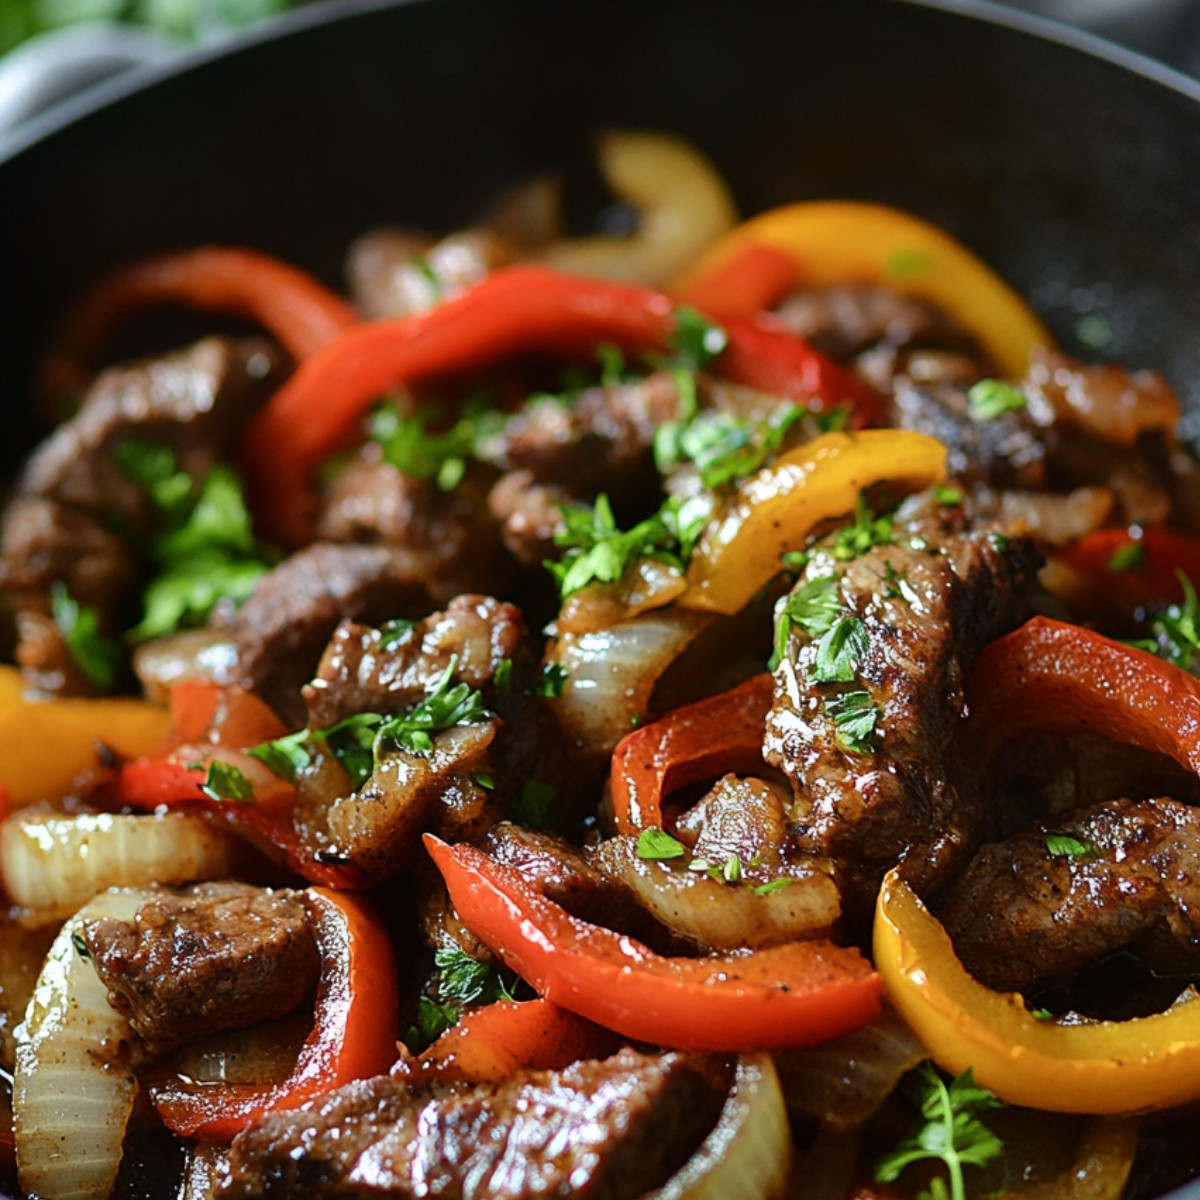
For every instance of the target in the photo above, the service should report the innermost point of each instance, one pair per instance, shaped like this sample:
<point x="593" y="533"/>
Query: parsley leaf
<point x="443" y="708"/>
<point x="854" y="716"/>
<point x="1130" y="557"/>
<point x="225" y="782"/>
<point x="551" y="682"/>
<point x="655" y="844"/>
<point x="813" y="606"/>
<point x="207" y="552"/>
<point x="1065" y="845"/>
<point x="730" y="871"/>
<point x="864" y="532"/>
<point x="840" y="651"/>
<point x="952" y="1130"/>
<point x="597" y="551"/>
<point x="96" y="655"/>
<point x="992" y="398"/>
<point x="433" y="1019"/>
<point x="465" y="980"/>
<point x="285" y="756"/>
<point x="1176" y="630"/>
<point x="534" y="805"/>
<point x="696" y="340"/>
<point x="773" y="885"/>
<point x="725" y="448"/>
<point x="413" y="448"/>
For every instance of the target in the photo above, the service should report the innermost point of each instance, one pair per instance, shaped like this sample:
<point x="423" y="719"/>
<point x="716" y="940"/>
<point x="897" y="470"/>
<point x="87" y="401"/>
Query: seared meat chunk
<point x="1053" y="897"/>
<point x="530" y="516"/>
<point x="205" y="959"/>
<point x="75" y="505"/>
<point x="610" y="1129"/>
<point x="871" y="791"/>
<point x="372" y="670"/>
<point x="283" y="628"/>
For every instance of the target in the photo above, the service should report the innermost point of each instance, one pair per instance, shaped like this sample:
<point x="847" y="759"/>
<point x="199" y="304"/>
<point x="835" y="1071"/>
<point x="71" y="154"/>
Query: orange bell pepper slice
<point x="718" y="734"/>
<point x="845" y="241"/>
<point x="1109" y="1067"/>
<point x="774" y="511"/>
<point x="798" y="994"/>
<point x="1136" y="566"/>
<point x="353" y="1036"/>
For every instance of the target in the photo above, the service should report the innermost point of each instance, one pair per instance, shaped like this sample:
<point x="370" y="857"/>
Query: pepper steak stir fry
<point x="709" y="706"/>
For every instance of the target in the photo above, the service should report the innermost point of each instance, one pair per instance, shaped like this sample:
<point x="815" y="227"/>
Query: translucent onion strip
<point x="749" y="1152"/>
<point x="73" y="1090"/>
<point x="52" y="864"/>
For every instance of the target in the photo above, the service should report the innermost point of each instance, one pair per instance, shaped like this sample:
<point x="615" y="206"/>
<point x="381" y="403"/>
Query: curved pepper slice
<point x="353" y="1036"/>
<point x="302" y="313"/>
<point x="491" y="1043"/>
<point x="843" y="241"/>
<point x="1135" y="566"/>
<point x="773" y="512"/>
<point x="1051" y="677"/>
<point x="752" y="277"/>
<point x="797" y="994"/>
<point x="718" y="734"/>
<point x="515" y="311"/>
<point x="1130" y="1066"/>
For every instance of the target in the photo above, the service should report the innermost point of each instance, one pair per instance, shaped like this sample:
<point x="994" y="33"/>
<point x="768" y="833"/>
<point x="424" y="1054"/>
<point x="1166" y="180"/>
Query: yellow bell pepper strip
<point x="797" y="994"/>
<point x="74" y="728"/>
<point x="844" y="241"/>
<point x="1105" y="1067"/>
<point x="774" y="511"/>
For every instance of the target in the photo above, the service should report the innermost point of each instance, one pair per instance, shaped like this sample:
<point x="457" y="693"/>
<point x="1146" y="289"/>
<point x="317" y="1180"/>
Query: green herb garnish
<point x="656" y="844"/>
<point x="412" y="447"/>
<point x="992" y="398"/>
<point x="465" y="980"/>
<point x="551" y="682"/>
<point x="854" y="716"/>
<point x="952" y="1131"/>
<point x="96" y="655"/>
<point x="813" y="606"/>
<point x="225" y="782"/>
<point x="1065" y="845"/>
<point x="1176" y="629"/>
<point x="534" y="805"/>
<point x="696" y="340"/>
<point x="1130" y="557"/>
<point x="866" y="531"/>
<point x="840" y="651"/>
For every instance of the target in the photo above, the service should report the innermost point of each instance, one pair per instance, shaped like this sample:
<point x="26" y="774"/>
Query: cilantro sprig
<point x="952" y="1131"/>
<point x="461" y="981"/>
<point x="725" y="448"/>
<point x="1175" y="632"/>
<point x="411" y="446"/>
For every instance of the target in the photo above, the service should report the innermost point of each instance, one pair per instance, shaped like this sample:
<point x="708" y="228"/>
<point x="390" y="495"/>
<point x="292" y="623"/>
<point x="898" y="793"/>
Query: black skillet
<point x="1073" y="168"/>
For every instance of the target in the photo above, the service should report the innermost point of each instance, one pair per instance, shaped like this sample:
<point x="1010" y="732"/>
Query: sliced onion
<point x="73" y="1089"/>
<point x="52" y="864"/>
<point x="749" y="1152"/>
<point x="611" y="674"/>
<point x="717" y="914"/>
<point x="842" y="1083"/>
<point x="683" y="203"/>
<point x="203" y="1169"/>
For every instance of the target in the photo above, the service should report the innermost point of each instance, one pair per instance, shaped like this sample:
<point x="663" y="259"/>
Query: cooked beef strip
<point x="282" y="630"/>
<point x="204" y="959"/>
<point x="928" y="602"/>
<point x="610" y="1129"/>
<point x="74" y="506"/>
<point x="369" y="670"/>
<point x="529" y="514"/>
<point x="1021" y="916"/>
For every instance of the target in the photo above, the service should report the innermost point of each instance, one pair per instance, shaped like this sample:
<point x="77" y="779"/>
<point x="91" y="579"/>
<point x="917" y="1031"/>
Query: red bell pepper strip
<point x="1136" y="566"/>
<point x="489" y="1044"/>
<point x="151" y="783"/>
<point x="516" y="311"/>
<point x="755" y="277"/>
<point x="202" y="710"/>
<point x="1051" y="677"/>
<point x="302" y="313"/>
<point x="353" y="1036"/>
<point x="721" y="733"/>
<point x="796" y="994"/>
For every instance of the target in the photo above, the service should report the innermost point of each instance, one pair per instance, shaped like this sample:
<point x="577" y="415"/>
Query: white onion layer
<point x="73" y="1090"/>
<point x="52" y="864"/>
<point x="749" y="1152"/>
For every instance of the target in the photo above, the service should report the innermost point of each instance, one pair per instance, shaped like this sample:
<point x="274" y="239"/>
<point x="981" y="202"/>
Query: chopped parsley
<point x="465" y="980"/>
<point x="952" y="1131"/>
<point x="992" y="398"/>
<point x="207" y="552"/>
<point x="1065" y="845"/>
<point x="854" y="716"/>
<point x="502" y="680"/>
<point x="730" y="871"/>
<point x="1130" y="557"/>
<point x="433" y="1019"/>
<point x="813" y="606"/>
<point x="864" y="532"/>
<point x="696" y="340"/>
<point x="834" y="420"/>
<point x="725" y="448"/>
<point x="840" y="651"/>
<point x="656" y="844"/>
<point x="97" y="656"/>
<point x="772" y="885"/>
<point x="1176" y="630"/>
<point x="551" y="682"/>
<point x="948" y="496"/>
<point x="534" y="806"/>
<point x="395" y="632"/>
<point x="412" y="447"/>
<point x="598" y="552"/>
<point x="444" y="708"/>
<point x="226" y="782"/>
